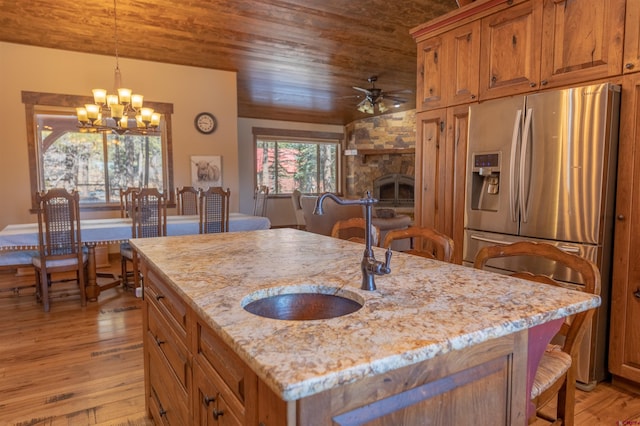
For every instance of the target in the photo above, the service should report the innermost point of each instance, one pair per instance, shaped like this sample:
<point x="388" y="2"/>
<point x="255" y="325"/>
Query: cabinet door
<point x="632" y="37"/>
<point x="624" y="346"/>
<point x="431" y="74"/>
<point x="510" y="51"/>
<point x="431" y="169"/>
<point x="448" y="67"/>
<point x="210" y="407"/>
<point x="582" y="40"/>
<point x="457" y="136"/>
<point x="463" y="63"/>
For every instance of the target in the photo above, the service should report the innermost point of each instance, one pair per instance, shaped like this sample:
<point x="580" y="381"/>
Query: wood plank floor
<point x="83" y="366"/>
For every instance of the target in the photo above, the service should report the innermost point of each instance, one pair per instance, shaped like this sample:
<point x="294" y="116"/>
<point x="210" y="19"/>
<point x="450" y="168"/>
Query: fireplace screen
<point x="394" y="190"/>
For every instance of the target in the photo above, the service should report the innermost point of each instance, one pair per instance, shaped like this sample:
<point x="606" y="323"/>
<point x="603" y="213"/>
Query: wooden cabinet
<point x="448" y="68"/>
<point x="510" y="51"/>
<point x="431" y="169"/>
<point x="631" y="59"/>
<point x="624" y="338"/>
<point x="441" y="153"/>
<point x="457" y="126"/>
<point x="166" y="357"/>
<point x="222" y="381"/>
<point x="431" y="77"/>
<point x="540" y="44"/>
<point x="582" y="40"/>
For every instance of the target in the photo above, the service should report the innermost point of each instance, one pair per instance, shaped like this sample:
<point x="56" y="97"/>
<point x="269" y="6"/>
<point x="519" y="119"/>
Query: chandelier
<point x="121" y="112"/>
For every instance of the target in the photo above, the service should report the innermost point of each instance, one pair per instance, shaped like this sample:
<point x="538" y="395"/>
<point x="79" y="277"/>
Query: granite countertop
<point x="422" y="309"/>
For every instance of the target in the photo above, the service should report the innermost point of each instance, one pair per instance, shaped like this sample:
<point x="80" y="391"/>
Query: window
<point x="98" y="164"/>
<point x="308" y="161"/>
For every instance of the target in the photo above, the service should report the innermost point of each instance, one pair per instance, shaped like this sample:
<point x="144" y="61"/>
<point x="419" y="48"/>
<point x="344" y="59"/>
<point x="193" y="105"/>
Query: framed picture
<point x="206" y="171"/>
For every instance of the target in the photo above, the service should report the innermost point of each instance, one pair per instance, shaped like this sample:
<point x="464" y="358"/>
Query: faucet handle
<point x="386" y="269"/>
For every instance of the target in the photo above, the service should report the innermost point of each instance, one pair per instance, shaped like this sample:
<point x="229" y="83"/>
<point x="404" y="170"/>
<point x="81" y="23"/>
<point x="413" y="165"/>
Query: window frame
<point x="292" y="135"/>
<point x="33" y="101"/>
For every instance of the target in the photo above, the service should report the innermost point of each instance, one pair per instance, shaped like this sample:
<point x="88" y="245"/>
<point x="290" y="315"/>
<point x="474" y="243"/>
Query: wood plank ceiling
<point x="296" y="60"/>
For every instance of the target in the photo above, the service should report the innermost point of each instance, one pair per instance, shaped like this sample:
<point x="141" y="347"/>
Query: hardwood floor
<point x="73" y="365"/>
<point x="83" y="366"/>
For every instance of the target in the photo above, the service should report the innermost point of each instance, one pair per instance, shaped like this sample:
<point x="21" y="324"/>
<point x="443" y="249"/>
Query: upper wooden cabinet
<point x="515" y="47"/>
<point x="631" y="59"/>
<point x="430" y="84"/>
<point x="510" y="51"/>
<point x="582" y="40"/>
<point x="448" y="68"/>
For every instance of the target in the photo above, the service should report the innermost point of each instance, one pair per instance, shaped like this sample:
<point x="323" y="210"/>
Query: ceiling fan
<point x="375" y="96"/>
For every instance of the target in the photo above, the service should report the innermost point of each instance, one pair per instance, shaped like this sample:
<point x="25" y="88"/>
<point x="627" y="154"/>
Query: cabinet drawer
<point x="217" y="355"/>
<point x="168" y="400"/>
<point x="213" y="403"/>
<point x="163" y="336"/>
<point x="170" y="305"/>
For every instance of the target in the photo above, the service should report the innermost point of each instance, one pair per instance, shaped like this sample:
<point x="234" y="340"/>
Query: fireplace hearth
<point x="394" y="190"/>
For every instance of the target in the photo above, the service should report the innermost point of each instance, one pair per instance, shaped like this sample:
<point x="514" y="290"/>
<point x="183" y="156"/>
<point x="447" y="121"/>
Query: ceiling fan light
<point x="382" y="107"/>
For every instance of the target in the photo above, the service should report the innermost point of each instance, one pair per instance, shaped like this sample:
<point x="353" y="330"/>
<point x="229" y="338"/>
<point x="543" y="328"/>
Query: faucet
<point x="370" y="266"/>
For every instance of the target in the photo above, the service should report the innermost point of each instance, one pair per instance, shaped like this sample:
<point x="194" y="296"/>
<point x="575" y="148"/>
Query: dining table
<point x="93" y="232"/>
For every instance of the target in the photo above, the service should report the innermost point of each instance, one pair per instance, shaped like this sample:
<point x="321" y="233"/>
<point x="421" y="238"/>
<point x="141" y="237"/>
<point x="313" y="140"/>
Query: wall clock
<point x="206" y="123"/>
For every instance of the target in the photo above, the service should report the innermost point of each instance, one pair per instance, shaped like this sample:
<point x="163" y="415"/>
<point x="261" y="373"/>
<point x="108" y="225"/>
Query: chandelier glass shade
<point x="120" y="112"/>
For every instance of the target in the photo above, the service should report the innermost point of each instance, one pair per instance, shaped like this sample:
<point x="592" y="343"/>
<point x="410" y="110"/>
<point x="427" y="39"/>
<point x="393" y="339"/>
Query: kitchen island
<point x="435" y="343"/>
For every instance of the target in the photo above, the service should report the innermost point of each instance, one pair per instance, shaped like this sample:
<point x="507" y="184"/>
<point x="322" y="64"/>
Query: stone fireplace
<point x="384" y="161"/>
<point x="394" y="190"/>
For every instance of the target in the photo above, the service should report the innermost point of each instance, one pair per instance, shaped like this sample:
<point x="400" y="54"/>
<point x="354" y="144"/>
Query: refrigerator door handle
<point x="512" y="167"/>
<point x="488" y="240"/>
<point x="569" y="249"/>
<point x="523" y="157"/>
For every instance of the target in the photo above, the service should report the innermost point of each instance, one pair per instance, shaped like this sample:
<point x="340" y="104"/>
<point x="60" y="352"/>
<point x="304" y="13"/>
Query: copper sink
<point x="303" y="304"/>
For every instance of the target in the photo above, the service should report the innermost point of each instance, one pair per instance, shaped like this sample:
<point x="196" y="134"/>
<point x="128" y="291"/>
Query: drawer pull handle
<point x="637" y="293"/>
<point x="217" y="413"/>
<point x="159" y="296"/>
<point x="206" y="400"/>
<point x="158" y="341"/>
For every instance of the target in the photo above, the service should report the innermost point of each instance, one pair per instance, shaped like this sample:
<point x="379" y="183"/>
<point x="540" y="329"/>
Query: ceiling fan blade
<point x="396" y="99"/>
<point x="362" y="90"/>
<point x="397" y="92"/>
<point x="351" y="97"/>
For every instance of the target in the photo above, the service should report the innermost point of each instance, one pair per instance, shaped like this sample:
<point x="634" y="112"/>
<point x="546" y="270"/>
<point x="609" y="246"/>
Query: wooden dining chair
<point x="126" y="196"/>
<point x="354" y="229"/>
<point x="187" y="200"/>
<point x="297" y="208"/>
<point x="556" y="373"/>
<point x="425" y="242"/>
<point x="260" y="201"/>
<point x="214" y="210"/>
<point x="149" y="219"/>
<point x="126" y="203"/>
<point x="59" y="243"/>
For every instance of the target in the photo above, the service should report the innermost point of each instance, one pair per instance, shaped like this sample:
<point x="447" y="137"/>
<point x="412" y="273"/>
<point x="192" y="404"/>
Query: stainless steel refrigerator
<point x="542" y="167"/>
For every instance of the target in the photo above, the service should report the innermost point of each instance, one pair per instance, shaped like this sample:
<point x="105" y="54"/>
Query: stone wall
<point x="389" y="131"/>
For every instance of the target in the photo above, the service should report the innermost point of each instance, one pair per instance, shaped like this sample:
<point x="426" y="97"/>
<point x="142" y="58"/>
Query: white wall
<point x="279" y="210"/>
<point x="189" y="89"/>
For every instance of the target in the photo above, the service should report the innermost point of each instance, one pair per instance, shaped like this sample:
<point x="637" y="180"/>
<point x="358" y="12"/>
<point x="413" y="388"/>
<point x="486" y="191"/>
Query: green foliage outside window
<point x="310" y="166"/>
<point x="96" y="164"/>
